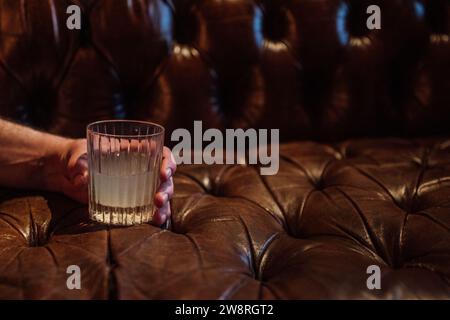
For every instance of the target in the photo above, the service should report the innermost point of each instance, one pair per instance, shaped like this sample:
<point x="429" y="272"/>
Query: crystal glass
<point x="124" y="164"/>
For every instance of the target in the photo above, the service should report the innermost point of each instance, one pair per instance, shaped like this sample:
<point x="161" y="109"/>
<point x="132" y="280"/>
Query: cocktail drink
<point x="124" y="160"/>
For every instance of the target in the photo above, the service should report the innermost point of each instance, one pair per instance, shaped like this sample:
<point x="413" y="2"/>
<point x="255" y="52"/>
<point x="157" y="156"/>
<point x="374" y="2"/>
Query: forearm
<point x="25" y="155"/>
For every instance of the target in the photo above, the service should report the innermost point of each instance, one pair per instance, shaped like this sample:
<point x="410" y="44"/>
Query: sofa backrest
<point x="311" y="68"/>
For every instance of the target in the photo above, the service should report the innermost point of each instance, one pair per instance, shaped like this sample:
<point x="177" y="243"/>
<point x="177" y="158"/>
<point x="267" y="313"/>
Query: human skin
<point x="32" y="159"/>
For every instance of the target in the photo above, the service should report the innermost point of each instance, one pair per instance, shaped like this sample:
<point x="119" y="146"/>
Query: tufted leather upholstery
<point x="308" y="67"/>
<point x="230" y="63"/>
<point x="309" y="232"/>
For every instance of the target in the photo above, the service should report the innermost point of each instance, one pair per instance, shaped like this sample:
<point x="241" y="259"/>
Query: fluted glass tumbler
<point x="124" y="162"/>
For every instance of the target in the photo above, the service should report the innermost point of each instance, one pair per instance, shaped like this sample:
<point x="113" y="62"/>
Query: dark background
<point x="308" y="67"/>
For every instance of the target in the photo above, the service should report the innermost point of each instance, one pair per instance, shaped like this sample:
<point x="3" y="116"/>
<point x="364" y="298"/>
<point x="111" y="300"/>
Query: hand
<point x="72" y="178"/>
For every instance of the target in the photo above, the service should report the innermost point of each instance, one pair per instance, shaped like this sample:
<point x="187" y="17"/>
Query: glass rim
<point x="89" y="129"/>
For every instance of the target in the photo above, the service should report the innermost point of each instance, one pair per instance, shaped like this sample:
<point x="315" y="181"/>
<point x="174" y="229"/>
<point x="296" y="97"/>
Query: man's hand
<point x="68" y="173"/>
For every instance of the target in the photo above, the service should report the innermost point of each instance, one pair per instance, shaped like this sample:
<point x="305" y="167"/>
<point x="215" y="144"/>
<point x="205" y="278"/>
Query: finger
<point x="158" y="219"/>
<point x="161" y="199"/>
<point x="80" y="181"/>
<point x="164" y="193"/>
<point x="78" y="162"/>
<point x="165" y="210"/>
<point x="79" y="172"/>
<point x="161" y="215"/>
<point x="166" y="187"/>
<point x="79" y="148"/>
<point x="81" y="166"/>
<point x="168" y="165"/>
<point x="144" y="145"/>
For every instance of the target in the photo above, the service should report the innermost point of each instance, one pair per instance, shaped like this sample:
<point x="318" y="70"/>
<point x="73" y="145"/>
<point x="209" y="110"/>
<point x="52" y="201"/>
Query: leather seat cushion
<point x="310" y="231"/>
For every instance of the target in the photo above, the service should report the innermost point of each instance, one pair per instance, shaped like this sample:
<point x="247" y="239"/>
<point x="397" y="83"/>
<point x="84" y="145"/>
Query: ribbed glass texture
<point x="124" y="160"/>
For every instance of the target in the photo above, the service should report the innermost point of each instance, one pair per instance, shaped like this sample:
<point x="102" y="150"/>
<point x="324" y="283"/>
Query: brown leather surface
<point x="309" y="67"/>
<point x="309" y="232"/>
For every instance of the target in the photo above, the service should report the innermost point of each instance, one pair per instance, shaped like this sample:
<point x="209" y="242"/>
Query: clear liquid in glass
<point x="122" y="187"/>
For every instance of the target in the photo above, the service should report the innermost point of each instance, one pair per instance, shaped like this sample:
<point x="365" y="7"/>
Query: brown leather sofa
<point x="364" y="117"/>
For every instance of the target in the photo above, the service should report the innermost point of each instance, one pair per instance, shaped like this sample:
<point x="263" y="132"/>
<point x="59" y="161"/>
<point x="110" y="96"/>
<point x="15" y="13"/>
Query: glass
<point x="124" y="164"/>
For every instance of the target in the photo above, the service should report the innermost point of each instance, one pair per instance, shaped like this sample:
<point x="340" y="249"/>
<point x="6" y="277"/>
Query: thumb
<point x="79" y="172"/>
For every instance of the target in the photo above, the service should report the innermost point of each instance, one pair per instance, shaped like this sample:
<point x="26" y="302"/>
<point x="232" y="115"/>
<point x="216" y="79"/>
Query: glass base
<point x="121" y="216"/>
